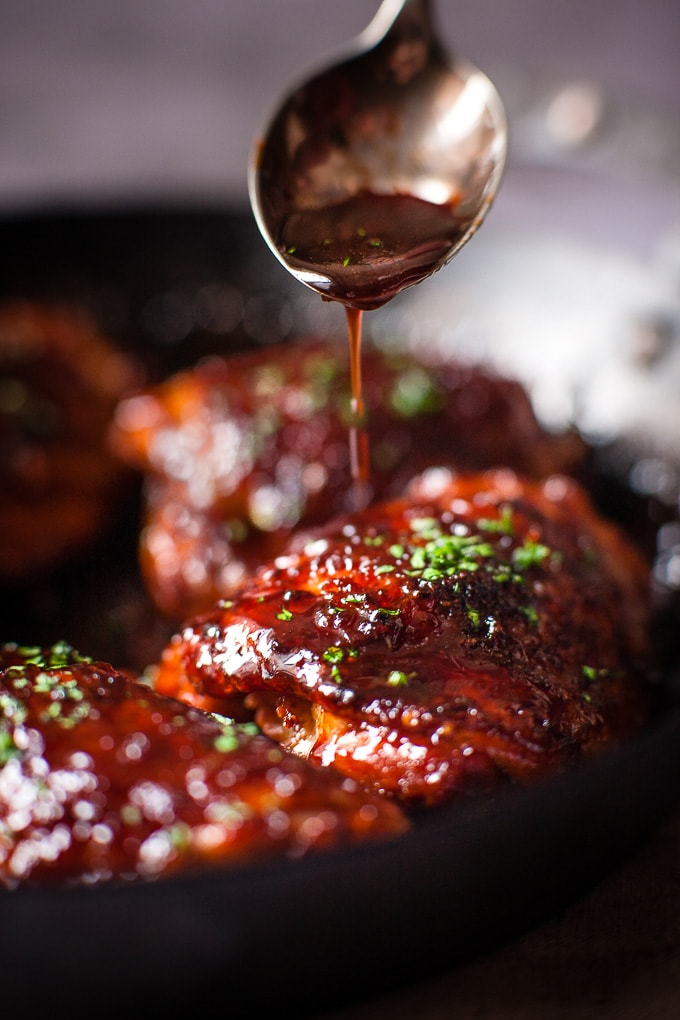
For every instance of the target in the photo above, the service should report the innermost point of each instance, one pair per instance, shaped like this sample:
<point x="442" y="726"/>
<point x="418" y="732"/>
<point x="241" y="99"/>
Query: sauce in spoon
<point x="367" y="248"/>
<point x="374" y="172"/>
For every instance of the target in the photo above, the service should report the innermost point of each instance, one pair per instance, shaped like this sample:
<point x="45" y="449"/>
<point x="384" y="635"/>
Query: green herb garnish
<point x="397" y="678"/>
<point x="529" y="554"/>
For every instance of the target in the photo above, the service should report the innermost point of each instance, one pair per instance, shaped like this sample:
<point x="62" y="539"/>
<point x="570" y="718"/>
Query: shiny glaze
<point x="481" y="629"/>
<point x="60" y="381"/>
<point x="102" y="778"/>
<point x="364" y="250"/>
<point x="238" y="452"/>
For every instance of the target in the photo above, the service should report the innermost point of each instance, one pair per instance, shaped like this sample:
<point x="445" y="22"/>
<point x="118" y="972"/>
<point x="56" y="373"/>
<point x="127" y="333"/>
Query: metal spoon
<point x="376" y="170"/>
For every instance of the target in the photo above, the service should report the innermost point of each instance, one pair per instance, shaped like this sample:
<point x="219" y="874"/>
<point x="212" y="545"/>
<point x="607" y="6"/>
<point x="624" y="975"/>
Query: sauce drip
<point x="358" y="435"/>
<point x="362" y="252"/>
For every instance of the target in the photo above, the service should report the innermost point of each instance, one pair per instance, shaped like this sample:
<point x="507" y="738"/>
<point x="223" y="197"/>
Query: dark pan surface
<point x="289" y="935"/>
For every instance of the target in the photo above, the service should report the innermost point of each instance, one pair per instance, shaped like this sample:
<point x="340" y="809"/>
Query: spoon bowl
<point x="374" y="171"/>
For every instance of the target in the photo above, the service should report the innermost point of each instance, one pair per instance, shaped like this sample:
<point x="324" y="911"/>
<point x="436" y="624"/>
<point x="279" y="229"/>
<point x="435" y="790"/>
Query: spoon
<point x="376" y="170"/>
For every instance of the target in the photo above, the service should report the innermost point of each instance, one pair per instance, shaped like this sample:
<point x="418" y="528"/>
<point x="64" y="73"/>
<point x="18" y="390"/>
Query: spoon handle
<point x="395" y="16"/>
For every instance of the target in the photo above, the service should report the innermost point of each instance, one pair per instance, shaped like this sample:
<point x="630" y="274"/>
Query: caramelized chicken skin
<point x="101" y="778"/>
<point x="240" y="451"/>
<point x="60" y="381"/>
<point x="481" y="629"/>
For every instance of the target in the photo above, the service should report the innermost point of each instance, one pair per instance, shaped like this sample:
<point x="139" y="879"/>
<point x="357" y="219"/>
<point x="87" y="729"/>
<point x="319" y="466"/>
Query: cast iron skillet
<point x="286" y="936"/>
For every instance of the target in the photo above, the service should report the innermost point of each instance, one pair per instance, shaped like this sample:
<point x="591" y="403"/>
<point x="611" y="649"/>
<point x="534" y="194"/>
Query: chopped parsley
<point x="529" y="554"/>
<point x="502" y="525"/>
<point x="65" y="703"/>
<point x="426" y="527"/>
<point x="335" y="655"/>
<point x="446" y="555"/>
<point x="397" y="678"/>
<point x="413" y="393"/>
<point x="228" y="740"/>
<point x="591" y="673"/>
<point x="530" y="612"/>
<point x="57" y="655"/>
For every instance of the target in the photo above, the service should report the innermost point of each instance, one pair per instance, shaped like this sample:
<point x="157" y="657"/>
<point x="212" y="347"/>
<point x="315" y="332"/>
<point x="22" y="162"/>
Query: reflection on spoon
<point x="373" y="173"/>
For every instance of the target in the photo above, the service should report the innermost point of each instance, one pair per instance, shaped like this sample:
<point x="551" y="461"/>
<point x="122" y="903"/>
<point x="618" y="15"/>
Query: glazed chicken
<point x="103" y="779"/>
<point x="239" y="452"/>
<point x="482" y="629"/>
<point x="60" y="381"/>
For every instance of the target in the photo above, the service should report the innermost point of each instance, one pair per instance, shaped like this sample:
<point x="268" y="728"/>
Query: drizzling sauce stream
<point x="362" y="252"/>
<point x="360" y="461"/>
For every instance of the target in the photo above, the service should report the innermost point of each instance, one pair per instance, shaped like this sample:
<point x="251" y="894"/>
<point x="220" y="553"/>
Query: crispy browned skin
<point x="60" y="381"/>
<point x="483" y="628"/>
<point x="238" y="452"/>
<point x="101" y="778"/>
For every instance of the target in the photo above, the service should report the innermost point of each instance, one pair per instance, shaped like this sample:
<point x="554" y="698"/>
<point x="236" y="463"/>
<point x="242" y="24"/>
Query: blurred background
<point x="574" y="281"/>
<point x="161" y="98"/>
